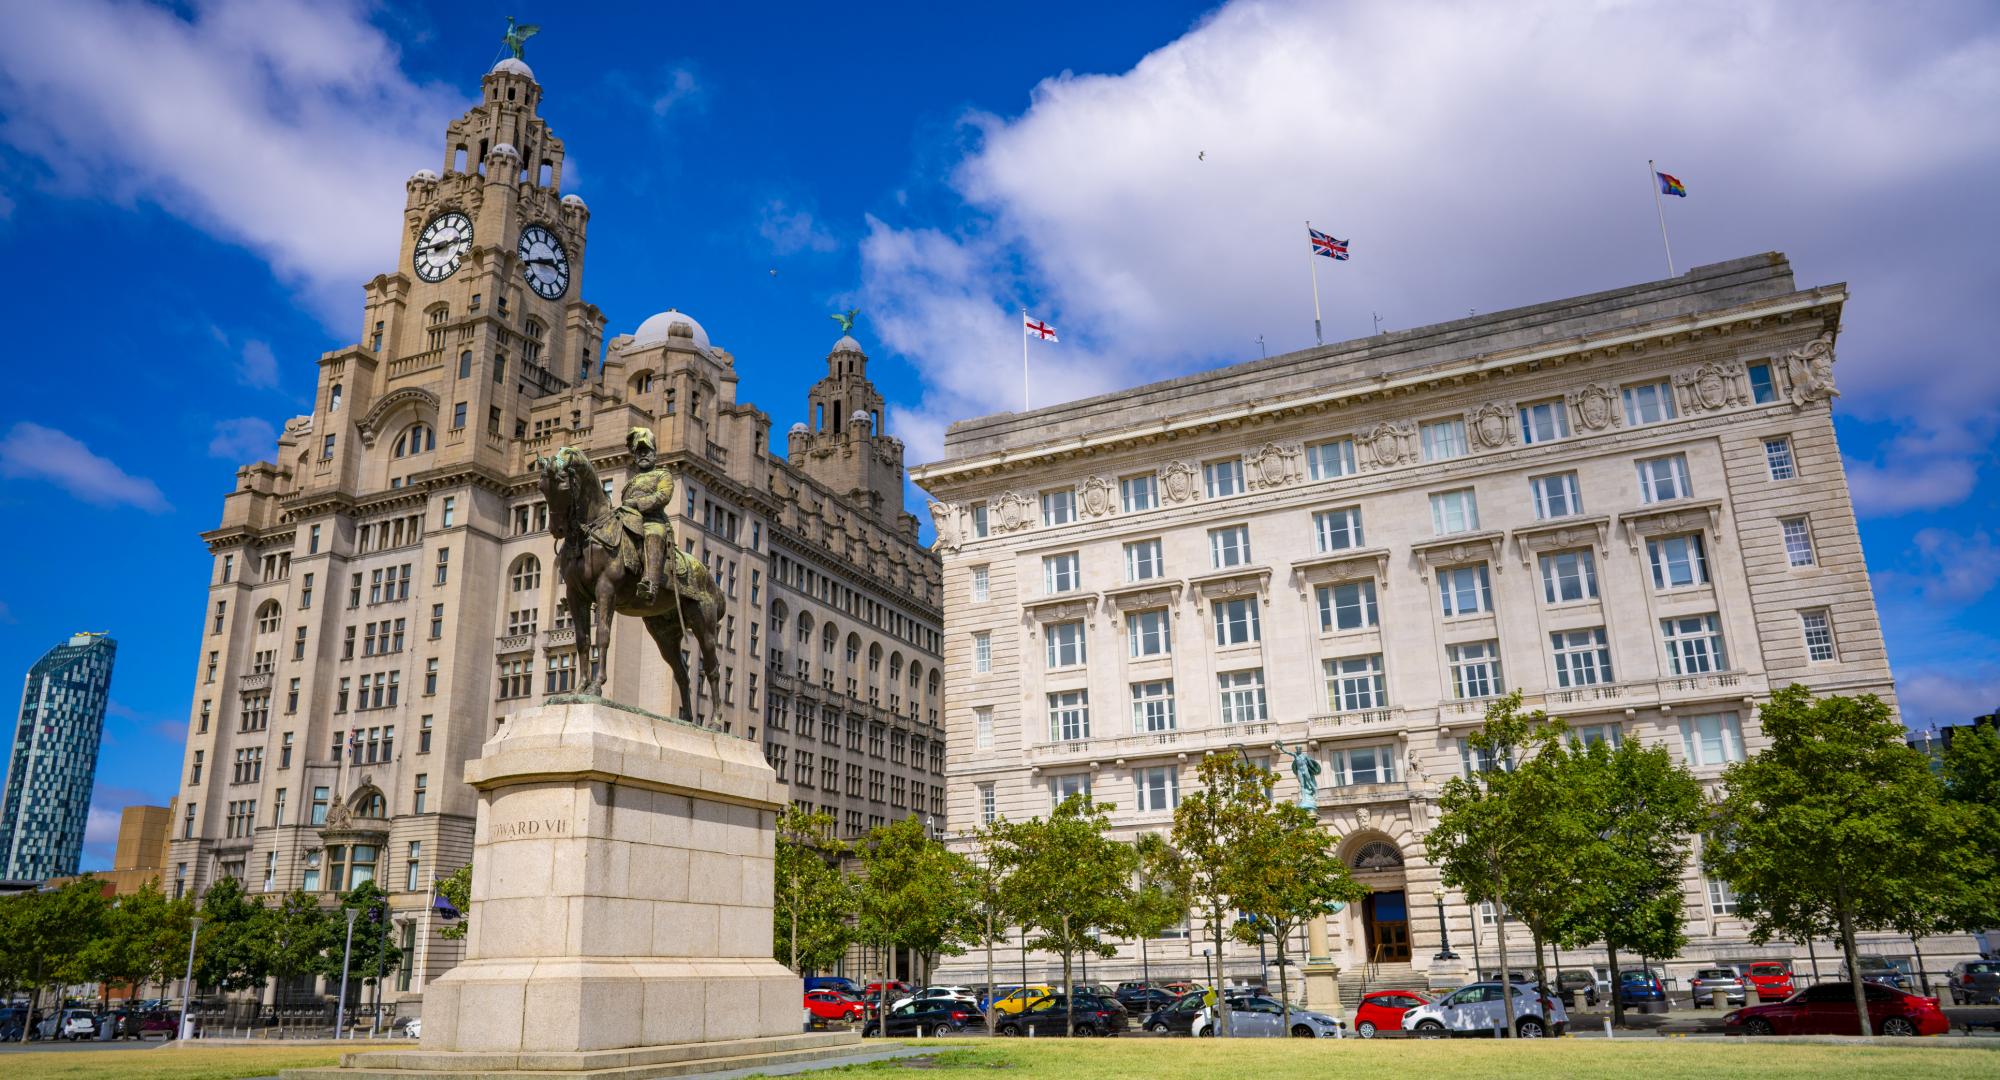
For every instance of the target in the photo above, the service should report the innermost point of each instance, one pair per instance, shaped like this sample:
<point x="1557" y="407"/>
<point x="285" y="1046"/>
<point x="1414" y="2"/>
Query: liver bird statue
<point x="517" y="36"/>
<point x="846" y="319"/>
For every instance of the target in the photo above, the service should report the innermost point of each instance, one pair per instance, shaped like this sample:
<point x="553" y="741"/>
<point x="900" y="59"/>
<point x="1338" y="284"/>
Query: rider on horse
<point x="643" y="508"/>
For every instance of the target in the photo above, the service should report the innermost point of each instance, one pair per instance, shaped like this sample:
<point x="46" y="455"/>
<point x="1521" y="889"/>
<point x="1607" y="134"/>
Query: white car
<point x="1477" y="1010"/>
<point x="929" y="993"/>
<point x="1262" y="1017"/>
<point x="415" y="1028"/>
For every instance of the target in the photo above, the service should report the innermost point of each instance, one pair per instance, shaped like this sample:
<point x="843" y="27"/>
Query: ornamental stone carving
<point x="944" y="516"/>
<point x="1178" y="480"/>
<point x="1595" y="407"/>
<point x="1491" y="427"/>
<point x="1388" y="444"/>
<point x="1811" y="372"/>
<point x="1016" y="512"/>
<point x="1274" y="466"/>
<point x="1095" y="498"/>
<point x="1712" y="386"/>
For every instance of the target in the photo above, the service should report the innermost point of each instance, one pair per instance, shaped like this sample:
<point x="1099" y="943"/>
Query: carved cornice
<point x="1677" y="517"/>
<point x="1068" y="607"/>
<point x="1563" y="534"/>
<point x="1158" y="592"/>
<point x="1351" y="565"/>
<point x="1231" y="584"/>
<point x="391" y="401"/>
<point x="1458" y="549"/>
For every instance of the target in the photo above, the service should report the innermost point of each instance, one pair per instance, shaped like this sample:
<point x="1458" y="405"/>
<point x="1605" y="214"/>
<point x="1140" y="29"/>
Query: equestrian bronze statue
<point x="622" y="560"/>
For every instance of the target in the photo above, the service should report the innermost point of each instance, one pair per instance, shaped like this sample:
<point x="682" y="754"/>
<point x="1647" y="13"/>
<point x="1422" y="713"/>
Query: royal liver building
<point x="1629" y="505"/>
<point x="383" y="592"/>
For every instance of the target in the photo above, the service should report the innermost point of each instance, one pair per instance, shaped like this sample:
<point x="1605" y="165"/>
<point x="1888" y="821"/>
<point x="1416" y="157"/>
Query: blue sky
<point x="191" y="196"/>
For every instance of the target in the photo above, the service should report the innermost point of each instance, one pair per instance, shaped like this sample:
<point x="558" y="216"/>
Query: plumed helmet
<point x="638" y="437"/>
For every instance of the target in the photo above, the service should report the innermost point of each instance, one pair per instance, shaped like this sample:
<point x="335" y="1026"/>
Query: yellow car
<point x="1022" y="998"/>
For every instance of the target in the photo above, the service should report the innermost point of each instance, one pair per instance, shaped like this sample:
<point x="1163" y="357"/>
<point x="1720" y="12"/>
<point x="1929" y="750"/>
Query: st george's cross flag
<point x="1325" y="244"/>
<point x="1038" y="328"/>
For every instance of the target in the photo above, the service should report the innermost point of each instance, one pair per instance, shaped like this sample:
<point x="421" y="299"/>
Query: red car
<point x="1772" y="980"/>
<point x="893" y="986"/>
<point x="1828" y="1009"/>
<point x="834" y="1005"/>
<point x="1382" y="1010"/>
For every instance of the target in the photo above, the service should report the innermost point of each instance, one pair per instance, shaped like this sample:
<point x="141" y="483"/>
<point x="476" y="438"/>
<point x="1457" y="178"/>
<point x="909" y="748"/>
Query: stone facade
<point x="383" y="592"/>
<point x="1628" y="505"/>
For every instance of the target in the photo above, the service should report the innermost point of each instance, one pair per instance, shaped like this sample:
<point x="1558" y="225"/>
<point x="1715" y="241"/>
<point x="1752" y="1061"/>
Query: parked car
<point x="1637" y="986"/>
<point x="1177" y="1017"/>
<point x="1479" y="1008"/>
<point x="1094" y="1016"/>
<point x="1140" y="1000"/>
<point x="11" y="1019"/>
<point x="1584" y="984"/>
<point x="1256" y="1017"/>
<point x="1828" y="1009"/>
<point x="987" y="993"/>
<point x="893" y="986"/>
<point x="1880" y="969"/>
<point x="926" y="1017"/>
<point x="1382" y="1010"/>
<point x="1772" y="980"/>
<point x="165" y="1022"/>
<point x="833" y="982"/>
<point x="78" y="1024"/>
<point x="1519" y="975"/>
<point x="413" y="1028"/>
<point x="834" y="1005"/>
<point x="1975" y="982"/>
<point x="123" y="1023"/>
<point x="1726" y="980"/>
<point x="1020" y="998"/>
<point x="960" y="994"/>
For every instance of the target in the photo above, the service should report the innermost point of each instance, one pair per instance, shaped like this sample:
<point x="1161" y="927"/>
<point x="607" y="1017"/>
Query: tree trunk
<point x="1541" y="960"/>
<point x="1221" y="999"/>
<point x="1069" y="984"/>
<point x="1506" y="975"/>
<point x="989" y="972"/>
<point x="1284" y="985"/>
<point x="1854" y="979"/>
<point x="1145" y="969"/>
<point x="28" y="1019"/>
<point x="1617" y="988"/>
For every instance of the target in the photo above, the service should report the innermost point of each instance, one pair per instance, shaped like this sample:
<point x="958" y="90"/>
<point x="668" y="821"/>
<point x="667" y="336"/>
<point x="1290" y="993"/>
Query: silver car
<point x="1726" y="980"/>
<point x="1477" y="1010"/>
<point x="1262" y="1017"/>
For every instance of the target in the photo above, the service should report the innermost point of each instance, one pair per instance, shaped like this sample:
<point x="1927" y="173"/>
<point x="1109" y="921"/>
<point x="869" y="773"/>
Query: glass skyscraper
<point x="46" y="802"/>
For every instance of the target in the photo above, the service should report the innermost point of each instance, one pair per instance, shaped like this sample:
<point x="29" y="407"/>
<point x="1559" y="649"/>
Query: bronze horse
<point x="600" y="572"/>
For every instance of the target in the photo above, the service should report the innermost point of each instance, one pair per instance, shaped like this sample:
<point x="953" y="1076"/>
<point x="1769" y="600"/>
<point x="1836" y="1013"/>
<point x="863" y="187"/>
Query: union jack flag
<point x="1324" y="244"/>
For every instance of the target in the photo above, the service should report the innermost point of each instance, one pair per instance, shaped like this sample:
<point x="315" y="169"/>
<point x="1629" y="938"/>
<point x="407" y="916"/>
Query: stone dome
<point x="860" y="416"/>
<point x="424" y="175"/>
<point x="847" y="344"/>
<point x="669" y="324"/>
<point x="512" y="66"/>
<point x="507" y="149"/>
<point x="799" y="429"/>
<point x="574" y="200"/>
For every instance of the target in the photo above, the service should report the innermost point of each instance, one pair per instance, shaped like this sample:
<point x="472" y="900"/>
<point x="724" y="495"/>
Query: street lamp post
<point x="1444" y="933"/>
<point x="347" y="954"/>
<point x="187" y="983"/>
<point x="1207" y="970"/>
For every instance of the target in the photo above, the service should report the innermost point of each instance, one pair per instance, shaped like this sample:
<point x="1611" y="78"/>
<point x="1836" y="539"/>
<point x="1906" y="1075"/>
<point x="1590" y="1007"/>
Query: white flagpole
<point x="1653" y="175"/>
<point x="1312" y="260"/>
<point x="1024" y="359"/>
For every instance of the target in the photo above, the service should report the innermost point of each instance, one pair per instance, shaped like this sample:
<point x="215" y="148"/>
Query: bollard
<point x="1607" y="1027"/>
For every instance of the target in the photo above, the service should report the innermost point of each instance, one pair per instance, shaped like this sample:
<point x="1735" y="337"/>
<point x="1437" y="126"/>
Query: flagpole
<point x="1653" y="174"/>
<point x="1312" y="260"/>
<point x="1024" y="359"/>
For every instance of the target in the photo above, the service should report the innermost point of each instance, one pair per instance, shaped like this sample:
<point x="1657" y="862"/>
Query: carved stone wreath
<point x="1711" y="386"/>
<point x="1491" y="427"/>
<point x="1016" y="512"/>
<point x="1096" y="498"/>
<point x="1178" y="481"/>
<point x="1595" y="407"/>
<point x="1388" y="444"/>
<point x="1274" y="466"/>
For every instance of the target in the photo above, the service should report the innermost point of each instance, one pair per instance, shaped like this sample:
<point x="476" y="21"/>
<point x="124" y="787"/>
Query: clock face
<point x="543" y="262"/>
<point x="442" y="245"/>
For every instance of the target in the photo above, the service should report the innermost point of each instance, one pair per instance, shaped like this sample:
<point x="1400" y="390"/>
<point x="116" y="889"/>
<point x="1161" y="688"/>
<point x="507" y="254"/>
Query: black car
<point x="1094" y="1016"/>
<point x="1178" y="1017"/>
<point x="932" y="1016"/>
<point x="1140" y="1000"/>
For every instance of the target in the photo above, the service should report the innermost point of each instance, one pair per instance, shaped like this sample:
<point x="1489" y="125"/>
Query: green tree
<point x="1206" y="824"/>
<point x="143" y="938"/>
<point x="294" y="935"/>
<point x="374" y="954"/>
<point x="1840" y="822"/>
<point x="456" y="887"/>
<point x="1972" y="780"/>
<point x="915" y="893"/>
<point x="231" y="952"/>
<point x="1159" y="900"/>
<point x="1282" y="872"/>
<point x="49" y="938"/>
<point x="986" y="882"/>
<point x="810" y="930"/>
<point x="1067" y="881"/>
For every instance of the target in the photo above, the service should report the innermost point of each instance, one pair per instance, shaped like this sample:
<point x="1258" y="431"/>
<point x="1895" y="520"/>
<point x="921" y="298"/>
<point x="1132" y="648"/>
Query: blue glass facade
<point x="46" y="803"/>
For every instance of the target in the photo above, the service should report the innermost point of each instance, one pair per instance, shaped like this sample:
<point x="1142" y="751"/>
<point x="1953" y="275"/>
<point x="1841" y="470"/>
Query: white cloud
<point x="790" y="230"/>
<point x="1478" y="155"/>
<point x="286" y="126"/>
<point x="1947" y="696"/>
<point x="243" y="439"/>
<point x="1902" y="487"/>
<point x="101" y="827"/>
<point x="32" y="452"/>
<point x="680" y="89"/>
<point x="259" y="366"/>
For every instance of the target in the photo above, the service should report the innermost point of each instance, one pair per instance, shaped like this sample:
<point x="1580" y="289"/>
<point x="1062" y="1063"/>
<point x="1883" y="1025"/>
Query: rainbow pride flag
<point x="1671" y="184"/>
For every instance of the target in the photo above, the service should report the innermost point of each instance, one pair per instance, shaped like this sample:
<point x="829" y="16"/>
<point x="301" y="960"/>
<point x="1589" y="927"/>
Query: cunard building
<point x="383" y="589"/>
<point x="1629" y="505"/>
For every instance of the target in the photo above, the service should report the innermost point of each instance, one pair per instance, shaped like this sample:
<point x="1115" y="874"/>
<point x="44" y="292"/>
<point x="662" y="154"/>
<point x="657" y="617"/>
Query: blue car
<point x="834" y="982"/>
<point x="1640" y="985"/>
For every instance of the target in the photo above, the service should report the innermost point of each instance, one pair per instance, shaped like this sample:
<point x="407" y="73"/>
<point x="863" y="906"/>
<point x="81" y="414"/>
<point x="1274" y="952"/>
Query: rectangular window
<point x="1364" y="765"/>
<point x="326" y="449"/>
<point x="450" y="510"/>
<point x="1556" y="495"/>
<point x="1355" y="683"/>
<point x="1444" y="439"/>
<point x="1136" y="493"/>
<point x="1065" y="644"/>
<point x="1544" y="421"/>
<point x="424" y="736"/>
<point x="1236" y="621"/>
<point x="1678" y="561"/>
<point x="1153" y="706"/>
<point x="1694" y="645"/>
<point x="1159" y="789"/>
<point x="1229" y="547"/>
<point x="1069" y="786"/>
<point x="1763" y="389"/>
<point x="982" y="587"/>
<point x="1465" y="590"/>
<point x="1242" y="696"/>
<point x="1664" y="478"/>
<point x="1475" y="761"/>
<point x="1712" y="740"/>
<point x="982" y="719"/>
<point x="1721" y="898"/>
<point x="979" y="521"/>
<point x="1611" y="735"/>
<point x="982" y="652"/>
<point x="443" y="565"/>
<point x="319" y="806"/>
<point x="1649" y="403"/>
<point x="1475" y="669"/>
<point x="1069" y="716"/>
<point x="1454" y="512"/>
<point x="1326" y="460"/>
<point x="988" y="806"/>
<point x="1143" y="560"/>
<point x="1582" y="657"/>
<point x="1150" y="632"/>
<point x="1059" y="507"/>
<point x="1222" y="478"/>
<point x="1337" y="530"/>
<point x="312" y="541"/>
<point x="1568" y="576"/>
<point x="458" y="416"/>
<point x="1347" y="606"/>
<point x="1819" y="634"/>
<point x="419" y="799"/>
<point x="1061" y="573"/>
<point x="1798" y="541"/>
<point x="1778" y="456"/>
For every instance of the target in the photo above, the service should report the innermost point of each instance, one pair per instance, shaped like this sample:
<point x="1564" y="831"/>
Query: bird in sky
<point x="1203" y="156"/>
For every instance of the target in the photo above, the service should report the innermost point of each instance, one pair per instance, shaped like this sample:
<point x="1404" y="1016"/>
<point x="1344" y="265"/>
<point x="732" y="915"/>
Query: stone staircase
<point x="1400" y="976"/>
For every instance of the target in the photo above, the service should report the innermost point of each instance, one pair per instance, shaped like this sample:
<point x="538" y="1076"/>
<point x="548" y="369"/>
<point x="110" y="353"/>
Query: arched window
<point x="931" y="689"/>
<point x="895" y="667"/>
<point x="805" y="628"/>
<point x="526" y="574"/>
<point x="1378" y="855"/>
<point x="916" y="677"/>
<point x="780" y="614"/>
<point x="827" y="635"/>
<point x="333" y="399"/>
<point x="853" y="649"/>
<point x="416" y="439"/>
<point x="875" y="659"/>
<point x="372" y="805"/>
<point x="268" y="615"/>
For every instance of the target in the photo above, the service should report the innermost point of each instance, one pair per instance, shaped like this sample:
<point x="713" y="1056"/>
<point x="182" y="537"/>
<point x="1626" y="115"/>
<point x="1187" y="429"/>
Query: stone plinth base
<point x="632" y="1063"/>
<point x="1323" y="986"/>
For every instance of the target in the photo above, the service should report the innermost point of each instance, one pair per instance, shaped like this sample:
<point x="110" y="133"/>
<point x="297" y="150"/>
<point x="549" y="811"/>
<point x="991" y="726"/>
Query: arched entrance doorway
<point x="1385" y="912"/>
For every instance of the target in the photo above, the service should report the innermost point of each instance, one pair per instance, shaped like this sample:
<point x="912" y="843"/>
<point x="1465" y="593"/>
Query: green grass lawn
<point x="1400" y="1059"/>
<point x="165" y="1063"/>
